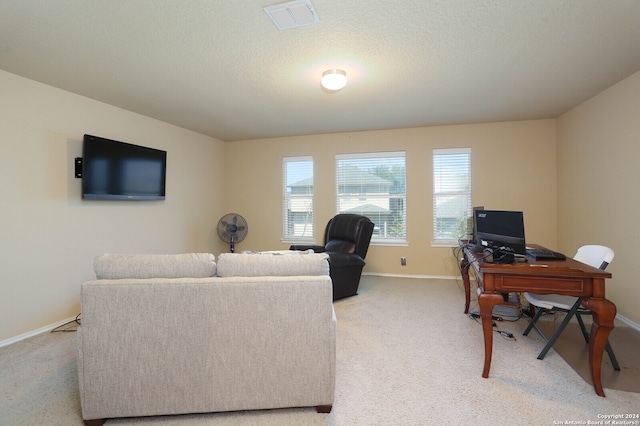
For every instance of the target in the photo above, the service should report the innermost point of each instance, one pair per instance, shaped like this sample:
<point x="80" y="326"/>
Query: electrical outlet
<point x="403" y="261"/>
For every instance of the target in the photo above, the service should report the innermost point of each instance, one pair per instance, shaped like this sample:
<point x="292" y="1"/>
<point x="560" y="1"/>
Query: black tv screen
<point x="113" y="170"/>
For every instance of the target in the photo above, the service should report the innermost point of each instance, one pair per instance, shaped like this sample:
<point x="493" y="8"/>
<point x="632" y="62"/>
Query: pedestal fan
<point x="232" y="229"/>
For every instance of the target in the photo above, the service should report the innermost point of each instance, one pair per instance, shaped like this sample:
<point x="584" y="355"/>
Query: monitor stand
<point x="498" y="256"/>
<point x="477" y="248"/>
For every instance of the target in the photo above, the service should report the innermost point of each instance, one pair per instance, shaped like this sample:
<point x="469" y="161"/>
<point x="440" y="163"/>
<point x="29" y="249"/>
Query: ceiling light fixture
<point x="334" y="79"/>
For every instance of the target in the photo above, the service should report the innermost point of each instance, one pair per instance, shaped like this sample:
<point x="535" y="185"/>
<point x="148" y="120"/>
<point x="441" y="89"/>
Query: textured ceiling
<point x="222" y="68"/>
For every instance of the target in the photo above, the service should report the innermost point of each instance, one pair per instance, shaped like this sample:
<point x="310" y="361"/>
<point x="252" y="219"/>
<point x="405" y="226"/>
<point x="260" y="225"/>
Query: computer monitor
<point x="474" y="226"/>
<point x="473" y="244"/>
<point x="502" y="232"/>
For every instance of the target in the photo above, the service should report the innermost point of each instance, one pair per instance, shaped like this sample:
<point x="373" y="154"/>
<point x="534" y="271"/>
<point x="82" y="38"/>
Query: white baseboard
<point x="41" y="330"/>
<point x="433" y="277"/>
<point x="628" y="322"/>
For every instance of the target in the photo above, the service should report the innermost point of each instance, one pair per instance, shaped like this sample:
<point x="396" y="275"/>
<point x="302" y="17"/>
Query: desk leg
<point x="464" y="270"/>
<point x="604" y="312"/>
<point x="487" y="301"/>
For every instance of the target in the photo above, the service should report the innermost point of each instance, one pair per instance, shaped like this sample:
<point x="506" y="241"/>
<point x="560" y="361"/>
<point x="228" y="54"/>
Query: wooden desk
<point x="568" y="277"/>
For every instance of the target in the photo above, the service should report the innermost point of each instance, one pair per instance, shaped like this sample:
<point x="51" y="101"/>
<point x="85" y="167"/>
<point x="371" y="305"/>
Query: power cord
<point x="493" y="317"/>
<point x="505" y="334"/>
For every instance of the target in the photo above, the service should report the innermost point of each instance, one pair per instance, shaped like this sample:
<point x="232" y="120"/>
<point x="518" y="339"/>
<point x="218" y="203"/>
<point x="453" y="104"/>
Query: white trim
<point x="452" y="150"/>
<point x="628" y="322"/>
<point x="374" y="154"/>
<point x="32" y="333"/>
<point x="301" y="240"/>
<point x="389" y="243"/>
<point x="298" y="158"/>
<point x="445" y="243"/>
<point x="433" y="277"/>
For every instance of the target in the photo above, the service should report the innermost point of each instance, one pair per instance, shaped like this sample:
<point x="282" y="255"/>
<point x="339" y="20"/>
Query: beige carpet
<point x="574" y="350"/>
<point x="406" y="355"/>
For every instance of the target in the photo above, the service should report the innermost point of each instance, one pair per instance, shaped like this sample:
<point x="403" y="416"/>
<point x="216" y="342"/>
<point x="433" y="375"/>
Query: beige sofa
<point x="177" y="334"/>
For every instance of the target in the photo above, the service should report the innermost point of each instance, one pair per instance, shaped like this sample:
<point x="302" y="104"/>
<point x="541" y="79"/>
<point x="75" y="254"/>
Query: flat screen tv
<point x="502" y="232"/>
<point x="113" y="170"/>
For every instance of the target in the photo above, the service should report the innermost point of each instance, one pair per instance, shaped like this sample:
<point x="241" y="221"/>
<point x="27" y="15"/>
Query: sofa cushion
<point x="289" y="263"/>
<point x="187" y="265"/>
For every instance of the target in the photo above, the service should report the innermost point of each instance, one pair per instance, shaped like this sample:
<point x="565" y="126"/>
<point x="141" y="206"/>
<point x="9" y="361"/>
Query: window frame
<point x="288" y="197"/>
<point x="378" y="198"/>
<point x="464" y="219"/>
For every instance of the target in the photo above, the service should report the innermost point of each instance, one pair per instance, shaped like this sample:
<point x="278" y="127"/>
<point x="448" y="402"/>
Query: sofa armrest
<point x="339" y="260"/>
<point x="305" y="247"/>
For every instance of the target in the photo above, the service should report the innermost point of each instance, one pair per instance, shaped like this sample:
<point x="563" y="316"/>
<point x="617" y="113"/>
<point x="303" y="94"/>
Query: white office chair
<point x="593" y="255"/>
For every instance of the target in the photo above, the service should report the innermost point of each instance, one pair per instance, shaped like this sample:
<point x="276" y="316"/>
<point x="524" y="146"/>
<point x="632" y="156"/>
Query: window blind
<point x="451" y="194"/>
<point x="374" y="185"/>
<point x="297" y="195"/>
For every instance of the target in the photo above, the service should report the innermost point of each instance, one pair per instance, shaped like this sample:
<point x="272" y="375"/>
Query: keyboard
<point x="542" y="254"/>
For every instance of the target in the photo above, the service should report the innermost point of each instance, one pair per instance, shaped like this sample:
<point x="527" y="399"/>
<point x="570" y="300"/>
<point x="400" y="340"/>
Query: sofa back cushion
<point x="289" y="263"/>
<point x="187" y="265"/>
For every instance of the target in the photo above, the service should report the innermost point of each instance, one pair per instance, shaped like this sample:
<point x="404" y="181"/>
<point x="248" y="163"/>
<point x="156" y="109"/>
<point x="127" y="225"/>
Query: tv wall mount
<point x="78" y="163"/>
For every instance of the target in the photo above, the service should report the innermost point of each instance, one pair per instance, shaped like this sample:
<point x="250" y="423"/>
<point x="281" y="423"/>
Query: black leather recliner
<point x="346" y="241"/>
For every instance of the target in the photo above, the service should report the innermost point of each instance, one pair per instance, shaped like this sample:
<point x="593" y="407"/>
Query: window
<point x="374" y="185"/>
<point x="297" y="189"/>
<point x="451" y="195"/>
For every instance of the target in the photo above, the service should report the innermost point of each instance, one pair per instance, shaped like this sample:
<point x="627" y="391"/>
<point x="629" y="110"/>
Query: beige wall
<point x="506" y="157"/>
<point x="49" y="236"/>
<point x="598" y="197"/>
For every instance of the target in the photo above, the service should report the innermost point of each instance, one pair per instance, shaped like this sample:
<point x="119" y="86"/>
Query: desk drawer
<point x="543" y="285"/>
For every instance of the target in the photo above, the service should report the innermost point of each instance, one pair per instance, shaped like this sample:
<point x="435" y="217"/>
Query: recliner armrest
<point x="305" y="247"/>
<point x="340" y="260"/>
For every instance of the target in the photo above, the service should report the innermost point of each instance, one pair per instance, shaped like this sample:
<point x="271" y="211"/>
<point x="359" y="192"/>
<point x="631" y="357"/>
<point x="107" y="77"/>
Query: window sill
<point x="445" y="244"/>
<point x="390" y="243"/>
<point x="294" y="241"/>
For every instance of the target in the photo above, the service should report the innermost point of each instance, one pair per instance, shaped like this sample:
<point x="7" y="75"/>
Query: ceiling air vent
<point x="292" y="14"/>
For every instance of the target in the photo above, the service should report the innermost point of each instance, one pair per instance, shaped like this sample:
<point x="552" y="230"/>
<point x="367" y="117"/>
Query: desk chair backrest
<point x="595" y="255"/>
